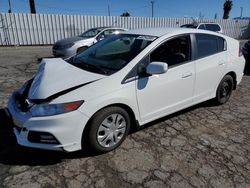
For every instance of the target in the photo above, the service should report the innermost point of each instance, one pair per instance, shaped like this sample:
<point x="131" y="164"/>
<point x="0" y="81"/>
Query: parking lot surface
<point x="202" y="146"/>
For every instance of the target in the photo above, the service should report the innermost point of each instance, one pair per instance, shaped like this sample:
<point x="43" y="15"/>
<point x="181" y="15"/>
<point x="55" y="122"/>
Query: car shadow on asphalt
<point x="13" y="154"/>
<point x="209" y="103"/>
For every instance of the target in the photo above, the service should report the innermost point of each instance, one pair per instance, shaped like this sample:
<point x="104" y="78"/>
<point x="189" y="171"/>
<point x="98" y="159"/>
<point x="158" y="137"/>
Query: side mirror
<point x="100" y="37"/>
<point x="157" y="68"/>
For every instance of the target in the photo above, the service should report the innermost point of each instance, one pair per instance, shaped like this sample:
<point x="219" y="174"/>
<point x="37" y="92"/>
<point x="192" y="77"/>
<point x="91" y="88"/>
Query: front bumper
<point x="66" y="128"/>
<point x="64" y="53"/>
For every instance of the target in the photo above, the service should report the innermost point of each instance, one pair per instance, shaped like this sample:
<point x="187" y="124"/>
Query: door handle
<point x="186" y="75"/>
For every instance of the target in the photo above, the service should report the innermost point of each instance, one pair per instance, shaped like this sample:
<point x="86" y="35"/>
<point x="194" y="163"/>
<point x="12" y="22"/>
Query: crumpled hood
<point x="55" y="75"/>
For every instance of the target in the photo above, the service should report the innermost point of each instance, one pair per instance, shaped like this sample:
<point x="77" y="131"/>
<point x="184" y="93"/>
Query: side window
<point x="174" y="51"/>
<point x="118" y="46"/>
<point x="202" y="26"/>
<point x="108" y="32"/>
<point x="208" y="45"/>
<point x="117" y="31"/>
<point x="105" y="34"/>
<point x="222" y="45"/>
<point x="213" y="27"/>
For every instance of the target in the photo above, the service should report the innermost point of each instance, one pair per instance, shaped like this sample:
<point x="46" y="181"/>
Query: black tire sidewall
<point x="229" y="79"/>
<point x="96" y="121"/>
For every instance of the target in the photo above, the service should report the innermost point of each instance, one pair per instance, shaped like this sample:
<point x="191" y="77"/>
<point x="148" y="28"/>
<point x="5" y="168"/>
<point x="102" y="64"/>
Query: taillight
<point x="240" y="52"/>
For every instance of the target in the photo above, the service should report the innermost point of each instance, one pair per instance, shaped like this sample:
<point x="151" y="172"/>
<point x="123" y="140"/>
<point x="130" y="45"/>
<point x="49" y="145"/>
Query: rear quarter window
<point x="209" y="44"/>
<point x="222" y="45"/>
<point x="213" y="27"/>
<point x="202" y="26"/>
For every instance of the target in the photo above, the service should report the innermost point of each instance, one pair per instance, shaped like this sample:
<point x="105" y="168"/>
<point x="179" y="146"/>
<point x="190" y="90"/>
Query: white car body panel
<point x="67" y="128"/>
<point x="148" y="98"/>
<point x="205" y="83"/>
<point x="48" y="81"/>
<point x="157" y="88"/>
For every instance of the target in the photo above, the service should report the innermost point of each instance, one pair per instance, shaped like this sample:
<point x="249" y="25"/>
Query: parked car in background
<point x="206" y="26"/>
<point x="123" y="81"/>
<point x="246" y="53"/>
<point x="70" y="46"/>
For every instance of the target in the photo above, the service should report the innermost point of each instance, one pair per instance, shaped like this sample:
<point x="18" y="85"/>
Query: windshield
<point x="112" y="54"/>
<point x="188" y="26"/>
<point x="91" y="32"/>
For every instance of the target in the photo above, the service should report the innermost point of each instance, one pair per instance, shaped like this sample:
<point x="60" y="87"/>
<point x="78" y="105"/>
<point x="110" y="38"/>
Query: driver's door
<point x="162" y="94"/>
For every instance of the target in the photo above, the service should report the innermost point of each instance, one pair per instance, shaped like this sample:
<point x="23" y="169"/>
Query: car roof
<point x="196" y="23"/>
<point x="208" y="23"/>
<point x="108" y="27"/>
<point x="158" y="32"/>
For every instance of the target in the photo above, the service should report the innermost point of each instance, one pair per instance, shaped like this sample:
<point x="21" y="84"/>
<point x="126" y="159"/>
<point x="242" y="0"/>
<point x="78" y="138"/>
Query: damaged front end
<point x="35" y="124"/>
<point x="38" y="121"/>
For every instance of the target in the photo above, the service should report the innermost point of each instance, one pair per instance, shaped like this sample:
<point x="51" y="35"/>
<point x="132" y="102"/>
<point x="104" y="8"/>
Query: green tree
<point x="228" y="5"/>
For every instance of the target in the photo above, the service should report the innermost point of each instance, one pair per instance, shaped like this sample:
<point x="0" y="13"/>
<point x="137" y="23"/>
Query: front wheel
<point x="108" y="128"/>
<point x="224" y="90"/>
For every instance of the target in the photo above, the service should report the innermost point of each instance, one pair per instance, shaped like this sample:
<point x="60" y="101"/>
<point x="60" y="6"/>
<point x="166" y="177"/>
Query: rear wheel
<point x="107" y="129"/>
<point x="224" y="90"/>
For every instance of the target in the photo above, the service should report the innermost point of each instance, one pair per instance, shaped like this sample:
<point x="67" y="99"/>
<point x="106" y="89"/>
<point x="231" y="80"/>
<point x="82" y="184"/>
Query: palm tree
<point x="227" y="8"/>
<point x="32" y="6"/>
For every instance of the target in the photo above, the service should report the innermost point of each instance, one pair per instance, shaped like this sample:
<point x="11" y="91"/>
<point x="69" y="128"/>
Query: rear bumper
<point x="240" y="70"/>
<point x="66" y="128"/>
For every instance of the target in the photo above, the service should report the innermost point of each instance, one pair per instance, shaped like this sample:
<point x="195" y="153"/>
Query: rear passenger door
<point x="209" y="65"/>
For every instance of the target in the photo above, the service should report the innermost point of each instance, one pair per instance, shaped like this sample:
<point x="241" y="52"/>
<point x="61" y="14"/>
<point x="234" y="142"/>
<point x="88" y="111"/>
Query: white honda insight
<point x="94" y="98"/>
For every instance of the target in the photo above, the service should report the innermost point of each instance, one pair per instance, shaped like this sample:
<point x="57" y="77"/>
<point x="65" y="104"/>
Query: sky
<point x="138" y="8"/>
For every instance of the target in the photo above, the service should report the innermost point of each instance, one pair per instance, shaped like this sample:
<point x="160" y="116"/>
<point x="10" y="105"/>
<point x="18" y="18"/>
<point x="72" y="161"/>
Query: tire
<point x="107" y="129"/>
<point x="224" y="90"/>
<point x="81" y="49"/>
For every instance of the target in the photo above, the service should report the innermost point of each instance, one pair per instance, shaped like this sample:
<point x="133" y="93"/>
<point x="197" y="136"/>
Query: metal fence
<point x="45" y="29"/>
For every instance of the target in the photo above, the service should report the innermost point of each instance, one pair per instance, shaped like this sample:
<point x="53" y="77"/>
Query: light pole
<point x="241" y="12"/>
<point x="108" y="9"/>
<point x="9" y="11"/>
<point x="152" y="10"/>
<point x="32" y="6"/>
